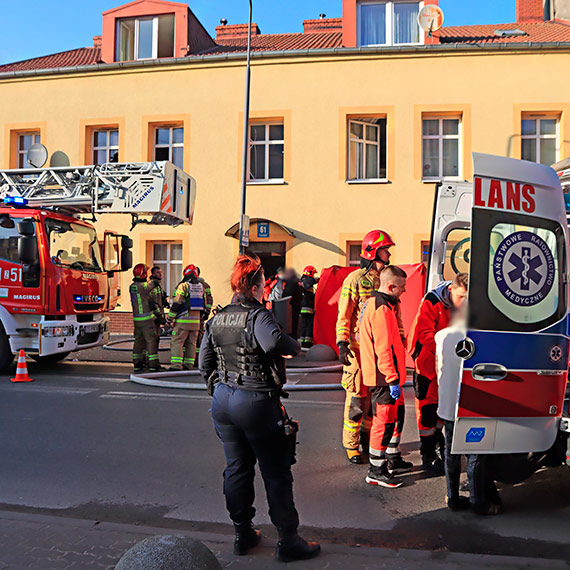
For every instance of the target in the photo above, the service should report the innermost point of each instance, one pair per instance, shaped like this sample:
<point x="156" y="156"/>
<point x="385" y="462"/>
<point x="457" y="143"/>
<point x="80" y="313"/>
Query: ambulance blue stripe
<point x="518" y="351"/>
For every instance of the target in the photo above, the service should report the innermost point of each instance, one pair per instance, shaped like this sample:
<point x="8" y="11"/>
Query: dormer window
<point x="145" y="38"/>
<point x="388" y="23"/>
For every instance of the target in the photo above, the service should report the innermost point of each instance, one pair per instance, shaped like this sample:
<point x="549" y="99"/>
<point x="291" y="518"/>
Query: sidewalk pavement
<point x="45" y="542"/>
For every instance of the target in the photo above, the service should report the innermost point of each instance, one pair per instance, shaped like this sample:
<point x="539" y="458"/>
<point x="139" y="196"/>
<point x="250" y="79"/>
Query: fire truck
<point x="58" y="278"/>
<point x="508" y="229"/>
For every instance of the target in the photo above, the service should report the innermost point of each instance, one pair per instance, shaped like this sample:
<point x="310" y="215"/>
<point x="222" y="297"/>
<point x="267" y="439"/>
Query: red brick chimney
<point x="323" y="25"/>
<point x="97" y="41"/>
<point x="234" y="31"/>
<point x="530" y="10"/>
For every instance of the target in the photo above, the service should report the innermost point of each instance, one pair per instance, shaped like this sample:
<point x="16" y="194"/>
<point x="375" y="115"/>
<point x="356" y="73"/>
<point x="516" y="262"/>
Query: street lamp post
<point x="242" y="222"/>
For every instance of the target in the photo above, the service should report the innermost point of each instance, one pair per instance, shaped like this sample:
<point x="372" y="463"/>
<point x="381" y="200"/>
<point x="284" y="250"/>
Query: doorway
<point x="271" y="254"/>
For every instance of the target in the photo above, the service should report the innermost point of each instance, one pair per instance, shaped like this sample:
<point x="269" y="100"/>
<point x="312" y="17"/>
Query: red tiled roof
<point x="538" y="32"/>
<point x="279" y="42"/>
<point x="71" y="58"/>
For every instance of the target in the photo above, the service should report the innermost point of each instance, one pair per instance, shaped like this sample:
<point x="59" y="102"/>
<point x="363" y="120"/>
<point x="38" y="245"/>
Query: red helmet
<point x="372" y="242"/>
<point x="140" y="270"/>
<point x="191" y="270"/>
<point x="310" y="270"/>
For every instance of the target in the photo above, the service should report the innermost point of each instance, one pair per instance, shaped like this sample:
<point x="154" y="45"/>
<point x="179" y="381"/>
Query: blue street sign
<point x="262" y="229"/>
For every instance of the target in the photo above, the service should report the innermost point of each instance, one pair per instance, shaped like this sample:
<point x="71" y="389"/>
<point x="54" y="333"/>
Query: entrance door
<point x="271" y="253"/>
<point x="516" y="349"/>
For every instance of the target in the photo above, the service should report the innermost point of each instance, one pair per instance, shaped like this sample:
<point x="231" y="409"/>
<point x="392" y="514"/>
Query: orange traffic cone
<point x="22" y="369"/>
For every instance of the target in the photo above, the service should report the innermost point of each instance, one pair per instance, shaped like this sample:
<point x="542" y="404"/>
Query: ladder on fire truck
<point x="160" y="190"/>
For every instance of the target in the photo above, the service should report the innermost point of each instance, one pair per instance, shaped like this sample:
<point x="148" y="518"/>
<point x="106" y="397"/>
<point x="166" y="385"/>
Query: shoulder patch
<point x="366" y="283"/>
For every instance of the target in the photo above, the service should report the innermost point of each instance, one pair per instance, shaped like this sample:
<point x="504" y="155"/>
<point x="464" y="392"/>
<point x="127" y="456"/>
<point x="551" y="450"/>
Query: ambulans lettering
<point x="230" y="320"/>
<point x="503" y="195"/>
<point x="524" y="268"/>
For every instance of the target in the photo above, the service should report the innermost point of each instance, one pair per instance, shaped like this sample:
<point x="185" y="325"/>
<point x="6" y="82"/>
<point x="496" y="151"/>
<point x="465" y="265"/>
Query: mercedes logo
<point x="555" y="353"/>
<point x="465" y="349"/>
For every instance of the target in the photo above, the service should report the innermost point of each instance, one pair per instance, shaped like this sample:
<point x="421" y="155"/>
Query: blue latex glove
<point x="395" y="391"/>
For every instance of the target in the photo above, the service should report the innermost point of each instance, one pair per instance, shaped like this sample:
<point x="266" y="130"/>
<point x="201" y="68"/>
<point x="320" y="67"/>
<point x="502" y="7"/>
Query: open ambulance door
<point x="515" y="354"/>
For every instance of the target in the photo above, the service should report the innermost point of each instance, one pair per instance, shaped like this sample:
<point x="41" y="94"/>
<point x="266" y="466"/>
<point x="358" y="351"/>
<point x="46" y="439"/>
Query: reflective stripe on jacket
<point x="144" y="307"/>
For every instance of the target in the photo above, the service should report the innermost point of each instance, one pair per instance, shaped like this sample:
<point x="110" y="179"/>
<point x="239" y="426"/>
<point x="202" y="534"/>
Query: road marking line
<point x="50" y="390"/>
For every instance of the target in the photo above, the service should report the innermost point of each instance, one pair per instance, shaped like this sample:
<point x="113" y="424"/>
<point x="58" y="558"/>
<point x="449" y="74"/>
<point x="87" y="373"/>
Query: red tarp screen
<point x="328" y="294"/>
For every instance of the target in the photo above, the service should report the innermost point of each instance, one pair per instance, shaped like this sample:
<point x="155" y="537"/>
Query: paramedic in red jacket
<point x="433" y="315"/>
<point x="383" y="360"/>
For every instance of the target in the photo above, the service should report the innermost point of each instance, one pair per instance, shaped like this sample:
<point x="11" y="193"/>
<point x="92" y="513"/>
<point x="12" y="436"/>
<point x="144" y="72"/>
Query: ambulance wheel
<point x="6" y="356"/>
<point x="50" y="358"/>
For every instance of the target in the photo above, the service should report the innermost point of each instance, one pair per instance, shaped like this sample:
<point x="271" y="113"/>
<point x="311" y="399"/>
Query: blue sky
<point x="32" y="28"/>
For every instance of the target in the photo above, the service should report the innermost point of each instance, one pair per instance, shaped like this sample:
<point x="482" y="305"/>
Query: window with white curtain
<point x="367" y="149"/>
<point x="539" y="139"/>
<point x="392" y="22"/>
<point x="441" y="138"/>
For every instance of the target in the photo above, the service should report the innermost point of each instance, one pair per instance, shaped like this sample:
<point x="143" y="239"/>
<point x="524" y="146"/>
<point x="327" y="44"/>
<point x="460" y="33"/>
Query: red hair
<point x="247" y="273"/>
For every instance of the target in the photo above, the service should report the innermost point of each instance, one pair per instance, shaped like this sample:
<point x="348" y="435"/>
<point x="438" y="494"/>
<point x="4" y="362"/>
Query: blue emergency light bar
<point x="15" y="201"/>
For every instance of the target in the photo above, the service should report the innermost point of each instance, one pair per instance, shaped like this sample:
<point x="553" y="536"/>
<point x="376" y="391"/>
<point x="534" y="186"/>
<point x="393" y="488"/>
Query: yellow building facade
<point x="315" y="213"/>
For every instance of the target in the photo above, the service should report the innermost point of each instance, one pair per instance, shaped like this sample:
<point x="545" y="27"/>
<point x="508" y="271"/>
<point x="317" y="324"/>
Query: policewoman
<point x="240" y="359"/>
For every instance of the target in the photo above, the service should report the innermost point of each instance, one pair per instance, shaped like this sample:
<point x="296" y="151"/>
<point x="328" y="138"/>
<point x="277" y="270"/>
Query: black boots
<point x="246" y="538"/>
<point x="292" y="547"/>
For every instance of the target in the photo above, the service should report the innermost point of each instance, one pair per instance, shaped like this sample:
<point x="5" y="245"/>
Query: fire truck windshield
<point x="73" y="245"/>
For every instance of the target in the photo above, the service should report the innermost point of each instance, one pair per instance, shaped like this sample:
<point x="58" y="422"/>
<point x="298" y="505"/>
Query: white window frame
<point x="107" y="148"/>
<point x="389" y="22"/>
<point x="364" y="141"/>
<point x="21" y="156"/>
<point x="171" y="144"/>
<point x="266" y="143"/>
<point x="538" y="136"/>
<point x="441" y="137"/>
<point x="168" y="261"/>
<point x="137" y="36"/>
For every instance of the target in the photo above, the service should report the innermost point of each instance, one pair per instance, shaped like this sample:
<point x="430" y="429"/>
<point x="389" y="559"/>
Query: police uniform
<point x="238" y="349"/>
<point x="145" y="313"/>
<point x="187" y="306"/>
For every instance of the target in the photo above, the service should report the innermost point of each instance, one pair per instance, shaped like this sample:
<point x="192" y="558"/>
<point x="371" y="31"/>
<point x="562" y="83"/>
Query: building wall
<point x="314" y="96"/>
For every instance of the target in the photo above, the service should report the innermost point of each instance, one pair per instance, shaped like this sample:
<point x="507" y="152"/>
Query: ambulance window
<point x="524" y="275"/>
<point x="457" y="251"/>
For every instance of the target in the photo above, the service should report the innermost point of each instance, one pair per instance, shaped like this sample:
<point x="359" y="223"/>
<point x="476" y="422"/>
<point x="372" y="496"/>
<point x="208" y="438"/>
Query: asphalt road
<point x="82" y="441"/>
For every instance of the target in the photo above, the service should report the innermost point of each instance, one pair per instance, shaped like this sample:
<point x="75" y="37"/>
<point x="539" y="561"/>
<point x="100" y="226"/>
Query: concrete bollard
<point x="321" y="353"/>
<point x="170" y="552"/>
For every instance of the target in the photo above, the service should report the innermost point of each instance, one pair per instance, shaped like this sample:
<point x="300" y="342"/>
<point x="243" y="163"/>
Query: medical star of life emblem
<point x="465" y="349"/>
<point x="524" y="269"/>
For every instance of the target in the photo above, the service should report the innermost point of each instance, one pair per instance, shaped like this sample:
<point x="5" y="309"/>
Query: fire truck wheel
<point x="6" y="356"/>
<point x="50" y="358"/>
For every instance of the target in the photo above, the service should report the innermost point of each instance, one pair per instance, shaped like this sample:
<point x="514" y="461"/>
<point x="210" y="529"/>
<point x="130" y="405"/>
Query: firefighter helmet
<point x="372" y="242"/>
<point x="140" y="270"/>
<point x="310" y="270"/>
<point x="191" y="270"/>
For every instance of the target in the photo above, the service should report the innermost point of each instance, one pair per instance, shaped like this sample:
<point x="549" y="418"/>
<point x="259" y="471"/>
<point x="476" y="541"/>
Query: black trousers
<point x="250" y="425"/>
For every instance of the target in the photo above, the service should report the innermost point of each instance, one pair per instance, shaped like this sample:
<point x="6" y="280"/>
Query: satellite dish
<point x="37" y="155"/>
<point x="59" y="158"/>
<point x="430" y="18"/>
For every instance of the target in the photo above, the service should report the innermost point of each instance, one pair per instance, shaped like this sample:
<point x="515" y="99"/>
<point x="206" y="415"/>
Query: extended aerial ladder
<point x="160" y="190"/>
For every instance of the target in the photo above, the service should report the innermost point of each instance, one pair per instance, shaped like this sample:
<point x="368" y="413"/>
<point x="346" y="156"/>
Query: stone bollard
<point x="170" y="552"/>
<point x="321" y="353"/>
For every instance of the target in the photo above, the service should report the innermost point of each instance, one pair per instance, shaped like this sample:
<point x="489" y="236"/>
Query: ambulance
<point x="508" y="229"/>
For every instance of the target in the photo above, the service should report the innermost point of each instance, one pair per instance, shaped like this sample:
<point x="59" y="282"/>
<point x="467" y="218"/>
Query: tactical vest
<point x="240" y="358"/>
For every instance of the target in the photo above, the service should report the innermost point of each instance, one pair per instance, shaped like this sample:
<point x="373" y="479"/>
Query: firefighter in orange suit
<point x="356" y="289"/>
<point x="433" y="315"/>
<point x="383" y="359"/>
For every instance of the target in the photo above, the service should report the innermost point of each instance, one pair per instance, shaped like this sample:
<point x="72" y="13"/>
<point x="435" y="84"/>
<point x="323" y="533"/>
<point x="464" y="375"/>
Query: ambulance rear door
<point x="515" y="352"/>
